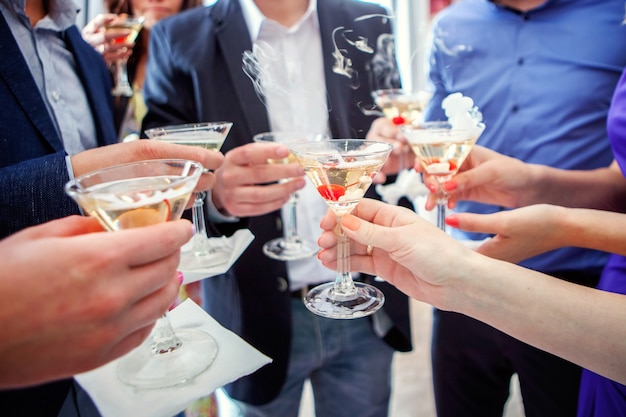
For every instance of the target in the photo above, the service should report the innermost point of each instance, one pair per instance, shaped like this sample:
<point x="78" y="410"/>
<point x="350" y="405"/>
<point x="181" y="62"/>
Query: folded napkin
<point x="408" y="184"/>
<point x="235" y="359"/>
<point x="222" y="260"/>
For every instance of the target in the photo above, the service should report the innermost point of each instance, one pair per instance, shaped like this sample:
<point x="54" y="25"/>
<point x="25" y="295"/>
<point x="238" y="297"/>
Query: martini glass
<point x="342" y="170"/>
<point x="210" y="136"/>
<point x="136" y="195"/>
<point x="441" y="149"/>
<point x="291" y="247"/>
<point x="402" y="106"/>
<point x="134" y="24"/>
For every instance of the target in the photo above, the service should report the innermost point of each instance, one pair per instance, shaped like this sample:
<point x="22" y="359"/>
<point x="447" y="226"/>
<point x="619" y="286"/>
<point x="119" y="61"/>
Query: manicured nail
<point x="452" y="221"/>
<point x="450" y="186"/>
<point x="180" y="277"/>
<point x="350" y="222"/>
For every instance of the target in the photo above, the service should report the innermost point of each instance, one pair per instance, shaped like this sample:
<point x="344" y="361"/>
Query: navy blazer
<point x="33" y="171"/>
<point x="195" y="74"/>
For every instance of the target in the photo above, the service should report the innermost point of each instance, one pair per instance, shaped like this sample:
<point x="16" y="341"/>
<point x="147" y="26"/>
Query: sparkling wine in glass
<point x="136" y="195"/>
<point x="402" y="106"/>
<point x="210" y="136"/>
<point x="441" y="150"/>
<point x="291" y="247"/>
<point x="134" y="25"/>
<point x="342" y="170"/>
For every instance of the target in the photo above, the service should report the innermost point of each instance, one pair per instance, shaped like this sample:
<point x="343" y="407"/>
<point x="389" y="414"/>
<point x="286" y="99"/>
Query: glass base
<point x="324" y="301"/>
<point x="289" y="251"/>
<point x="193" y="257"/>
<point x="142" y="368"/>
<point x="122" y="90"/>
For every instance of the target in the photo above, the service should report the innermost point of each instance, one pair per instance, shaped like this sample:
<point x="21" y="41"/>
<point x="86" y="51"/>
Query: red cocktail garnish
<point x="331" y="191"/>
<point x="398" y="120"/>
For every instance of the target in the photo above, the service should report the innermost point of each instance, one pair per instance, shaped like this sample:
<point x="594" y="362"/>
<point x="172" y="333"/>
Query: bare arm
<point x="528" y="231"/>
<point x="580" y="324"/>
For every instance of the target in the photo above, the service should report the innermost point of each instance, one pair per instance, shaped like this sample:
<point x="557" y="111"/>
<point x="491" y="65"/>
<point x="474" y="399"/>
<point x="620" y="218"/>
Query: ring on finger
<point x="369" y="250"/>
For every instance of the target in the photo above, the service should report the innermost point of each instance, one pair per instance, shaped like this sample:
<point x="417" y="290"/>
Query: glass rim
<point x="296" y="148"/>
<point x="187" y="127"/>
<point x="75" y="185"/>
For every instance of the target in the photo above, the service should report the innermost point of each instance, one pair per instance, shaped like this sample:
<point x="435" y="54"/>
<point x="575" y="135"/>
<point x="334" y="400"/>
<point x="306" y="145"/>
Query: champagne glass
<point x="210" y="136"/>
<point x="342" y="170"/>
<point x="441" y="149"/>
<point x="402" y="106"/>
<point x="141" y="194"/>
<point x="290" y="247"/>
<point x="134" y="24"/>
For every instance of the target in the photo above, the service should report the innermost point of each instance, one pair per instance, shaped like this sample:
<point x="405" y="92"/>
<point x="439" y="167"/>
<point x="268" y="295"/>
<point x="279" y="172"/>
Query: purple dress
<point x="599" y="396"/>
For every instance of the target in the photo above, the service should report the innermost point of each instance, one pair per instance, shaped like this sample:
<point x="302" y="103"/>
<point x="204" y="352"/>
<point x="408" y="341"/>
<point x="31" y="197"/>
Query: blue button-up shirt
<point x="543" y="81"/>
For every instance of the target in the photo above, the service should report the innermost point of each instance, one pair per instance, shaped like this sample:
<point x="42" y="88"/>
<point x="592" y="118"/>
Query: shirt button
<point x="56" y="96"/>
<point x="514" y="109"/>
<point x="520" y="61"/>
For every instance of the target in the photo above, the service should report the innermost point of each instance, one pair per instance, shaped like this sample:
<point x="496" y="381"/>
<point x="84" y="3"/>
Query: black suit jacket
<point x="195" y="74"/>
<point x="33" y="171"/>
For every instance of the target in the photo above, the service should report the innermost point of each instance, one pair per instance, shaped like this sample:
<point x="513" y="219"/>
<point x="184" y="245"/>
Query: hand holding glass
<point x="134" y="24"/>
<point x="441" y="150"/>
<point x="290" y="247"/>
<point x="209" y="136"/>
<point x="342" y="170"/>
<point x="141" y="194"/>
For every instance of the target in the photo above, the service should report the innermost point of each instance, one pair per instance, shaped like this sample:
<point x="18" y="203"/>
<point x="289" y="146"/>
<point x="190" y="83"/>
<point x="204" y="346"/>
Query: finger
<point x="67" y="226"/>
<point x="148" y="244"/>
<point x="477" y="223"/>
<point x="257" y="153"/>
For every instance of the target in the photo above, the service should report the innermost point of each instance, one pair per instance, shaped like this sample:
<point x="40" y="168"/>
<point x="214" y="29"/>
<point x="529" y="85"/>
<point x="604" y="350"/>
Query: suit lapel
<point x="96" y="85"/>
<point x="18" y="79"/>
<point x="339" y="94"/>
<point x="233" y="36"/>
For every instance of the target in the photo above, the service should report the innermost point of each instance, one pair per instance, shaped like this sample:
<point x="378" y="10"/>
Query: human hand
<point x="104" y="41"/>
<point x="519" y="234"/>
<point x="73" y="297"/>
<point x="139" y="150"/>
<point x="401" y="156"/>
<point x="487" y="177"/>
<point x="248" y="186"/>
<point x="408" y="252"/>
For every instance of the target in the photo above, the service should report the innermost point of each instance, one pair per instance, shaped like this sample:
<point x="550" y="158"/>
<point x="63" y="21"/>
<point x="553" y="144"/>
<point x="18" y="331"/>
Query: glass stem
<point x="201" y="245"/>
<point x="122" y="74"/>
<point x="164" y="338"/>
<point x="442" y="202"/>
<point x="343" y="282"/>
<point x="291" y="235"/>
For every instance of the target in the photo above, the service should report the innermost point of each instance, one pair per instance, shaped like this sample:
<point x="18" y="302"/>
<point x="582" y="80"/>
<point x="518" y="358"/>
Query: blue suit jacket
<point x="33" y="171"/>
<point x="195" y="74"/>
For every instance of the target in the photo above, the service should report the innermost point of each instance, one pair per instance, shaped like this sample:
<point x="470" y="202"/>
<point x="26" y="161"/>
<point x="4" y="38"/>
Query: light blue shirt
<point x="54" y="70"/>
<point x="543" y="81"/>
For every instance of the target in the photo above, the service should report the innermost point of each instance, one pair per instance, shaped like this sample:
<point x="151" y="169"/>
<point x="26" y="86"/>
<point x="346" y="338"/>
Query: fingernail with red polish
<point x="452" y="221"/>
<point x="180" y="277"/>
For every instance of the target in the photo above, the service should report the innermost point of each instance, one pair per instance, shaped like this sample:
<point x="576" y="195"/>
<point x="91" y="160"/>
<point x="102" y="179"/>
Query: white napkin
<point x="235" y="359"/>
<point x="408" y="183"/>
<point x="235" y="244"/>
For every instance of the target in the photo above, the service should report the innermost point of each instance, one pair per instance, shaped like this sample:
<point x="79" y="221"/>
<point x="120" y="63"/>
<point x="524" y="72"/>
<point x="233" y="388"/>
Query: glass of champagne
<point x="141" y="194"/>
<point x="402" y="106"/>
<point x="290" y="247"/>
<point x="441" y="149"/>
<point x="342" y="170"/>
<point x="210" y="136"/>
<point x="134" y="24"/>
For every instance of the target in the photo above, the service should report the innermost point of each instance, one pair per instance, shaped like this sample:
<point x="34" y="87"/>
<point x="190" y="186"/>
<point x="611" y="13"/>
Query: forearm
<point x="577" y="323"/>
<point x="603" y="188"/>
